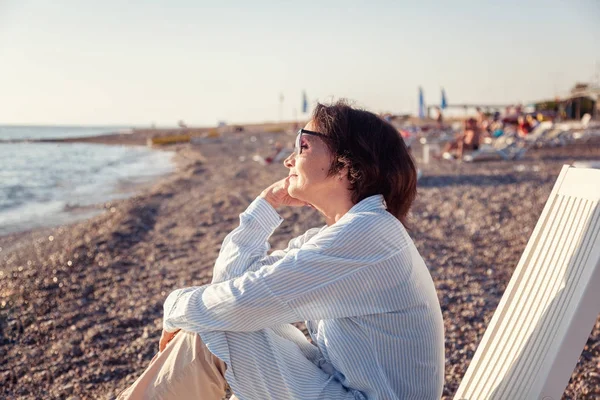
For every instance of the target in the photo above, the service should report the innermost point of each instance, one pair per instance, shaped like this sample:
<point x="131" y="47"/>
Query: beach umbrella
<point x="444" y="103"/>
<point x="304" y="103"/>
<point x="421" y="103"/>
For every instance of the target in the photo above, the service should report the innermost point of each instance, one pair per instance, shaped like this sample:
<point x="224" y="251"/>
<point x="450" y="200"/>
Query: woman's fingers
<point x="277" y="194"/>
<point x="165" y="338"/>
<point x="162" y="344"/>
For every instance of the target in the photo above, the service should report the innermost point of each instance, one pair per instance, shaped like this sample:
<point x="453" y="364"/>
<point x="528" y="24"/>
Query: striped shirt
<point x="361" y="286"/>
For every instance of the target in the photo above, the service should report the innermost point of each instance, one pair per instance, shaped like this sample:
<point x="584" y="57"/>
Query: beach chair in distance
<point x="537" y="333"/>
<point x="509" y="146"/>
<point x="505" y="147"/>
<point x="537" y="136"/>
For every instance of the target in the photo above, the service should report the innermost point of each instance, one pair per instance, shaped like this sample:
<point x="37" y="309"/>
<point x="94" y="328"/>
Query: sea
<point x="49" y="184"/>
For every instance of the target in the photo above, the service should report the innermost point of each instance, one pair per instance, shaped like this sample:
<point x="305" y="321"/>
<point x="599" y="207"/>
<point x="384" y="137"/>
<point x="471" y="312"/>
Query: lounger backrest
<point x="585" y="120"/>
<point x="539" y="130"/>
<point x="551" y="303"/>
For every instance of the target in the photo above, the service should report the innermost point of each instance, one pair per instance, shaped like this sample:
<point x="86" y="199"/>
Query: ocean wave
<point x="41" y="183"/>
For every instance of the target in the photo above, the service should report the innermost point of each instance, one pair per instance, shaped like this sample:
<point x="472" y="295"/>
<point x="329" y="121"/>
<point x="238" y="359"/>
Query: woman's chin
<point x="295" y="193"/>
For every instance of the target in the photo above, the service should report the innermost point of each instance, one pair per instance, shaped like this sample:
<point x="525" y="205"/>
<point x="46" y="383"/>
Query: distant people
<point x="468" y="140"/>
<point x="471" y="137"/>
<point x="484" y="126"/>
<point x="533" y="123"/>
<point x="523" y="127"/>
<point x="518" y="109"/>
<point x="481" y="117"/>
<point x="483" y="122"/>
<point x="496" y="128"/>
<point x="540" y="117"/>
<point x="497" y="131"/>
<point x="408" y="137"/>
<point x="439" y="118"/>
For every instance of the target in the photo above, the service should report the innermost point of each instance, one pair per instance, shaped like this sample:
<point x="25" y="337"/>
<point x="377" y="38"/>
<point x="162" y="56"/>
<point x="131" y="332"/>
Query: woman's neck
<point x="334" y="210"/>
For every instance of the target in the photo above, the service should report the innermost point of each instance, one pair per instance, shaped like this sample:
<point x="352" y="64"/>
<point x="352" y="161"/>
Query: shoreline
<point x="118" y="187"/>
<point x="139" y="136"/>
<point x="79" y="213"/>
<point x="80" y="314"/>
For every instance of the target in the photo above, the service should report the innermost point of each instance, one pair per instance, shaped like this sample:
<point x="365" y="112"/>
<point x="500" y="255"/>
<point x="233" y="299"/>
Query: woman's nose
<point x="290" y="161"/>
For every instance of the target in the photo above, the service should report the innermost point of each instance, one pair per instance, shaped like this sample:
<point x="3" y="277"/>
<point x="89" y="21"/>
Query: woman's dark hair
<point x="375" y="154"/>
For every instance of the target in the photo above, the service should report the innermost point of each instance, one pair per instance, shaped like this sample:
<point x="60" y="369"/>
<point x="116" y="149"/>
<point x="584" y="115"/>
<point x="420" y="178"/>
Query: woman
<point x="468" y="140"/>
<point x="523" y="126"/>
<point x="471" y="138"/>
<point x="359" y="283"/>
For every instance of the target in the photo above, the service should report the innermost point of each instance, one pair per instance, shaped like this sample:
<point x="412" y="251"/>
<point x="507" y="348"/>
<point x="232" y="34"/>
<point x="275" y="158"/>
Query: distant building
<point x="582" y="99"/>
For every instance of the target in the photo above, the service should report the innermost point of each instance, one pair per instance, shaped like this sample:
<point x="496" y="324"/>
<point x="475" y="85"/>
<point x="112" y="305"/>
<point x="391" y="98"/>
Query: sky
<point x="114" y="62"/>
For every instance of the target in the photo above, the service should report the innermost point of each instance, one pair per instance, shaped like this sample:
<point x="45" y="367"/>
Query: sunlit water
<point x="45" y="184"/>
<point x="23" y="132"/>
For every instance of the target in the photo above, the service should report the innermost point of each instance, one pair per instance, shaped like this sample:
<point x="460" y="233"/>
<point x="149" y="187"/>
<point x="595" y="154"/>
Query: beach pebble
<point x="83" y="315"/>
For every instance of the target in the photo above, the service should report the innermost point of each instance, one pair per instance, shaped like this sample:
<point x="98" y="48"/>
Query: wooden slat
<point x="550" y="304"/>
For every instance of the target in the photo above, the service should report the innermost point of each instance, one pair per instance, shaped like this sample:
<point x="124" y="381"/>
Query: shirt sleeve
<point x="316" y="281"/>
<point x="246" y="247"/>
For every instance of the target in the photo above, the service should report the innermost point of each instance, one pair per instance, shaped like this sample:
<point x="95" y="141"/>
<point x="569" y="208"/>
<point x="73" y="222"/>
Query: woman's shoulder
<point x="378" y="221"/>
<point x="312" y="232"/>
<point x="370" y="229"/>
<point x="305" y="237"/>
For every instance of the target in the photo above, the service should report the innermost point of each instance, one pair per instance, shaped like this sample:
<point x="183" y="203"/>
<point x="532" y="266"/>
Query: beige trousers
<point x="186" y="369"/>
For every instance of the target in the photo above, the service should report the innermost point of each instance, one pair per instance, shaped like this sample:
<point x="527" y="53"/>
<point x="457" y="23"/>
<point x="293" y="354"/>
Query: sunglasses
<point x="298" y="146"/>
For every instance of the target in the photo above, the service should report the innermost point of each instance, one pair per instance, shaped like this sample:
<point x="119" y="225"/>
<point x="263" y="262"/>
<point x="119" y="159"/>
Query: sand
<point x="81" y="305"/>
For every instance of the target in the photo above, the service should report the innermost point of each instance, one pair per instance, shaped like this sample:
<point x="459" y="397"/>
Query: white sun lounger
<point x="551" y="304"/>
<point x="504" y="147"/>
<point x="538" y="132"/>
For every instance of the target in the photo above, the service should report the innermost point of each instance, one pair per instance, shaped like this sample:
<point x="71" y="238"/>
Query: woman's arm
<point x="248" y="243"/>
<point x="317" y="281"/>
<point x="245" y="248"/>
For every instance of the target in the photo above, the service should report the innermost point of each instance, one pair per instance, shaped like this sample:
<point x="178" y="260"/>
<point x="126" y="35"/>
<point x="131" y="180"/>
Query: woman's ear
<point x="341" y="165"/>
<point x="343" y="173"/>
<point x="342" y="168"/>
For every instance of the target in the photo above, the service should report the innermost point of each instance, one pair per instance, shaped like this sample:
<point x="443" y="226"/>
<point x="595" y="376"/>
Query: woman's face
<point x="308" y="170"/>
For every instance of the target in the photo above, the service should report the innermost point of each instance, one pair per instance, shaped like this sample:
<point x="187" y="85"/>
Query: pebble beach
<point x="81" y="304"/>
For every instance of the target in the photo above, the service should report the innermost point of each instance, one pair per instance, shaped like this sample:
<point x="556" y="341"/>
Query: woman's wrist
<point x="269" y="199"/>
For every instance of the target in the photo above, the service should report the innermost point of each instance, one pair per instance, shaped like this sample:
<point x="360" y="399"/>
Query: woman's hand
<point x="277" y="195"/>
<point x="165" y="338"/>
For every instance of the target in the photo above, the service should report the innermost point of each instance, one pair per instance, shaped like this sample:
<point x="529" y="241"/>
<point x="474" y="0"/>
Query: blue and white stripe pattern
<point x="361" y="286"/>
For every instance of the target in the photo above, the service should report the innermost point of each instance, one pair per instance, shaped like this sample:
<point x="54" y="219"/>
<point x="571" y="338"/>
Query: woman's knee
<point x="192" y="343"/>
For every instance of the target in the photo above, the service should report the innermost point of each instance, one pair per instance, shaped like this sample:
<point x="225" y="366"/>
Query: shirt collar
<point x="370" y="203"/>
